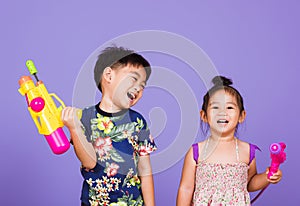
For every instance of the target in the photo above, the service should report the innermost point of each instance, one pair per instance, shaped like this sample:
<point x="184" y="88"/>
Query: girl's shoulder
<point x="196" y="148"/>
<point x="247" y="145"/>
<point x="200" y="144"/>
<point x="247" y="151"/>
<point x="243" y="144"/>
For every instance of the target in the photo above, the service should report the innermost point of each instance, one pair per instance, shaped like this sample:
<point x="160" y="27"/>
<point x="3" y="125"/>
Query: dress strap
<point x="237" y="150"/>
<point x="252" y="152"/>
<point x="195" y="152"/>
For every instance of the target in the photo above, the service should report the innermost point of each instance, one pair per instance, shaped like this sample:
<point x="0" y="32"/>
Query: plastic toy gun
<point x="43" y="111"/>
<point x="278" y="156"/>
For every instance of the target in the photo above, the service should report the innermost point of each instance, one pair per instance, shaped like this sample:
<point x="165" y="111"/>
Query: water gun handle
<point x="59" y="100"/>
<point x="273" y="168"/>
<point x="278" y="156"/>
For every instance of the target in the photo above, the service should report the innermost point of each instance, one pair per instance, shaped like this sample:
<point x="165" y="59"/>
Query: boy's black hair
<point x="116" y="57"/>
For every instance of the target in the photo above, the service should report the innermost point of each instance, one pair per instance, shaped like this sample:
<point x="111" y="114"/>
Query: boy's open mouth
<point x="131" y="96"/>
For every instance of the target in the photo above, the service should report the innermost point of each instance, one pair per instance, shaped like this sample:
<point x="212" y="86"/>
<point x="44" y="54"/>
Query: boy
<point x="111" y="140"/>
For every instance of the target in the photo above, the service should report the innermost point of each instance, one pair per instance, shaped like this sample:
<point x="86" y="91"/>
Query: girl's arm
<point x="145" y="173"/>
<point x="84" y="150"/>
<point x="260" y="181"/>
<point x="187" y="183"/>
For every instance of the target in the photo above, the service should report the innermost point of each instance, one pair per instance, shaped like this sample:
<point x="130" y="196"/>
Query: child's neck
<point x="219" y="138"/>
<point x="108" y="106"/>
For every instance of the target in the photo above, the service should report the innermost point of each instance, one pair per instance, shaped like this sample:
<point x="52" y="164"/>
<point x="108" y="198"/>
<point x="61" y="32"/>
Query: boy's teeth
<point x="130" y="95"/>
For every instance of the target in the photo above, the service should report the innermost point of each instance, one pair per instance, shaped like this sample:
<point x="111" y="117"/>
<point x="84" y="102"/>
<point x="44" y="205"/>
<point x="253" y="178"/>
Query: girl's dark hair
<point x="222" y="83"/>
<point x="116" y="57"/>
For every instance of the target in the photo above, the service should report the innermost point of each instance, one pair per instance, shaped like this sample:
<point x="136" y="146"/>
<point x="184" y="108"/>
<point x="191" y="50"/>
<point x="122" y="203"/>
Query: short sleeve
<point x="87" y="114"/>
<point x="145" y="141"/>
<point x="253" y="148"/>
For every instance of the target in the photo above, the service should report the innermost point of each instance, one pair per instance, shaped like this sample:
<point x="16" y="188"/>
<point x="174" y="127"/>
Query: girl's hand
<point x="276" y="177"/>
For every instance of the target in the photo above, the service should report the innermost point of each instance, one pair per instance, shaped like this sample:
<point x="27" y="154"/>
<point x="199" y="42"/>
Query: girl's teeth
<point x="222" y="121"/>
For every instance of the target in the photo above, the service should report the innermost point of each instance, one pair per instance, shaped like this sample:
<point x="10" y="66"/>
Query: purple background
<point x="253" y="42"/>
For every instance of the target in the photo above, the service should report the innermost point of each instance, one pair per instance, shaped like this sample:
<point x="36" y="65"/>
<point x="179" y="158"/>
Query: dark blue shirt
<point x="118" y="139"/>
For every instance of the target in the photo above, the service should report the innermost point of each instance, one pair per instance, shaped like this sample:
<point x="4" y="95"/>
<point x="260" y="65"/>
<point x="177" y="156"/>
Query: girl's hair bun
<point x="221" y="81"/>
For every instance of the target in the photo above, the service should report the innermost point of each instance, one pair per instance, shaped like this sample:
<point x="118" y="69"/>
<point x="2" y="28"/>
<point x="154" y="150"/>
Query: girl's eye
<point x="230" y="107"/>
<point x="143" y="86"/>
<point x="215" y="107"/>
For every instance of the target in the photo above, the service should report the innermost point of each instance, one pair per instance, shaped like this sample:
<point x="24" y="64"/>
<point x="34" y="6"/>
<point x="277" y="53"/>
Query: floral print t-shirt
<point x="118" y="139"/>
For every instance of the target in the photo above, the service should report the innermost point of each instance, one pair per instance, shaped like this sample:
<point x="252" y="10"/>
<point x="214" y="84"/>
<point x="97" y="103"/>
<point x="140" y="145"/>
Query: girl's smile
<point x="222" y="114"/>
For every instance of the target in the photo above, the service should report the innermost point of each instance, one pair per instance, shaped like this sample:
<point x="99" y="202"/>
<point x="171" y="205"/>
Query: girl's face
<point x="128" y="86"/>
<point x="223" y="114"/>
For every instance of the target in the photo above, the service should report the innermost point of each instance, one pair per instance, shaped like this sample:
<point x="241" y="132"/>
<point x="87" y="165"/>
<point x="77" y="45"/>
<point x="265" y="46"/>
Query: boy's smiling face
<point x="127" y="85"/>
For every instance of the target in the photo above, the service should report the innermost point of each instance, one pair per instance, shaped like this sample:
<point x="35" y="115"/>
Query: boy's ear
<point x="242" y="116"/>
<point x="203" y="116"/>
<point x="107" y="74"/>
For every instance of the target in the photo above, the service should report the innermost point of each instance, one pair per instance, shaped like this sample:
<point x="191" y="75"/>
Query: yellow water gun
<point x="43" y="110"/>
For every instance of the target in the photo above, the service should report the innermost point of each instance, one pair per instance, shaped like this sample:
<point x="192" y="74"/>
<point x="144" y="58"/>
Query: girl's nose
<point x="223" y="112"/>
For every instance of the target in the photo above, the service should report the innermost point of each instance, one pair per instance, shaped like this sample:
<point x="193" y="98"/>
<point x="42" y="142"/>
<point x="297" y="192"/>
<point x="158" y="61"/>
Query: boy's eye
<point x="134" y="79"/>
<point x="230" y="107"/>
<point x="215" y="107"/>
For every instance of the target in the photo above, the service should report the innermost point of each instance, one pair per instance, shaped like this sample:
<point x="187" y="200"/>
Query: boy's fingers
<point x="68" y="113"/>
<point x="64" y="113"/>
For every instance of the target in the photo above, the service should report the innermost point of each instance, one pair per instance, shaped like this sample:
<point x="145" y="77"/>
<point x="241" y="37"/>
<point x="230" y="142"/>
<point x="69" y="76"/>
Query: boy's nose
<point x="137" y="88"/>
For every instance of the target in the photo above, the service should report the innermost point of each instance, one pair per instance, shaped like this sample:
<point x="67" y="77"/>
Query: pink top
<point x="220" y="184"/>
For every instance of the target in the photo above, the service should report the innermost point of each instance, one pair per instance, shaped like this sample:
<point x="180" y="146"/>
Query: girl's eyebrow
<point x="214" y="103"/>
<point x="226" y="103"/>
<point x="231" y="103"/>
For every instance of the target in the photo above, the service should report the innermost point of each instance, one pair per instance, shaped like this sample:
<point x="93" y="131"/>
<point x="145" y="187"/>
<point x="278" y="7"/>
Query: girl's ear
<point x="242" y="116"/>
<point x="203" y="116"/>
<point x="107" y="74"/>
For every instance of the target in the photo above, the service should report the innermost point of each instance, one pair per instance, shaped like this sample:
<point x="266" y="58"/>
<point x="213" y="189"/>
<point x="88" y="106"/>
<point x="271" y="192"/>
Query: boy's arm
<point x="84" y="150"/>
<point x="260" y="181"/>
<point x="187" y="183"/>
<point x="145" y="173"/>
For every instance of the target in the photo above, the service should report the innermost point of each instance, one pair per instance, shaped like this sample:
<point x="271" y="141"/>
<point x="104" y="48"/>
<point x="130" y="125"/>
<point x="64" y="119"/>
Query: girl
<point x="222" y="169"/>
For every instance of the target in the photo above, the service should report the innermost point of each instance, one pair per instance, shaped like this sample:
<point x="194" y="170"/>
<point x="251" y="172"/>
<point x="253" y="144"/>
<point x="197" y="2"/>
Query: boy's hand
<point x="276" y="177"/>
<point x="70" y="117"/>
<point x="84" y="150"/>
